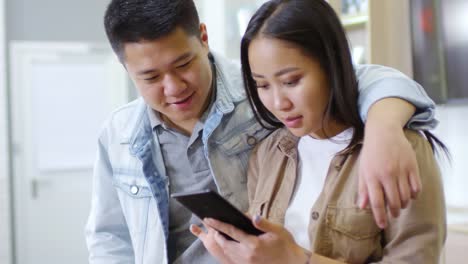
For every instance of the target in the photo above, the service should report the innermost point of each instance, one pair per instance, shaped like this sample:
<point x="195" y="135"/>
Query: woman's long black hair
<point x="314" y="27"/>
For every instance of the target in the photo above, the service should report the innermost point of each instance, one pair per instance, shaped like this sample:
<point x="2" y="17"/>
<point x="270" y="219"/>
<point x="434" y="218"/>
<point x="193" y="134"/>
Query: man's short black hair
<point x="128" y="21"/>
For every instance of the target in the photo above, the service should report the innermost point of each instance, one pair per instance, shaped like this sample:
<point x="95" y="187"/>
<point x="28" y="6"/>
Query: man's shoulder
<point x="229" y="74"/>
<point x="418" y="141"/>
<point x="226" y="64"/>
<point x="124" y="119"/>
<point x="127" y="112"/>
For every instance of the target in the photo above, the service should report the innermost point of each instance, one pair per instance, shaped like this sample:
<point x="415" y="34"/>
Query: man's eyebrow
<point x="178" y="59"/>
<point x="182" y="57"/>
<point x="145" y="72"/>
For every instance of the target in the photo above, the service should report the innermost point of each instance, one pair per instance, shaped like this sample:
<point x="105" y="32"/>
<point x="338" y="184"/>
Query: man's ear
<point x="203" y="34"/>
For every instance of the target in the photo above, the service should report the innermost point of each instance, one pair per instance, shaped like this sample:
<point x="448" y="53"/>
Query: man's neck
<point x="186" y="126"/>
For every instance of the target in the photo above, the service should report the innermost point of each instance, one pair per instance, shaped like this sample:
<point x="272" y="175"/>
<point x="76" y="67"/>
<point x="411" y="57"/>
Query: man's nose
<point x="173" y="85"/>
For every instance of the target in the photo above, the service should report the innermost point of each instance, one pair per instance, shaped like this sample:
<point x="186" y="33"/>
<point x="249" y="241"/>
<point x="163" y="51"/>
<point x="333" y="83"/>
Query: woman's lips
<point x="293" y="122"/>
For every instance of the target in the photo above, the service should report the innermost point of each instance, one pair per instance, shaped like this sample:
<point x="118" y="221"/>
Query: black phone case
<point x="209" y="204"/>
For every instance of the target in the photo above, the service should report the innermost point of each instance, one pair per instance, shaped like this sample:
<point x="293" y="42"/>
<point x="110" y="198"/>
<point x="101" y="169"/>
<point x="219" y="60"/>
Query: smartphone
<point x="209" y="204"/>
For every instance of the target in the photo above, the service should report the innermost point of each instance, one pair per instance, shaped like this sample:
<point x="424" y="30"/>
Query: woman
<point x="300" y="79"/>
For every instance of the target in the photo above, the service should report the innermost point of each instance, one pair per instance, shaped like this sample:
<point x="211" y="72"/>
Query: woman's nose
<point x="281" y="101"/>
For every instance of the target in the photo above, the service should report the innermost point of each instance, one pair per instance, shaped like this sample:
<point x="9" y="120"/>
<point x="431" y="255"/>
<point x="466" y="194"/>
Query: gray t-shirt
<point x="188" y="170"/>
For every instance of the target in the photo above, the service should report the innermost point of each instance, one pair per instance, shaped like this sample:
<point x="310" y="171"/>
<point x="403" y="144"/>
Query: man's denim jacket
<point x="128" y="222"/>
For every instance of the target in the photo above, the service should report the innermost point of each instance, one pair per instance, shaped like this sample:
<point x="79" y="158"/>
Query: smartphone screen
<point x="209" y="204"/>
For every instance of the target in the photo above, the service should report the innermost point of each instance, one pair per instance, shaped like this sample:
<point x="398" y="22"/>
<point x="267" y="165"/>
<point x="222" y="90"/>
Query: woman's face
<point x="291" y="85"/>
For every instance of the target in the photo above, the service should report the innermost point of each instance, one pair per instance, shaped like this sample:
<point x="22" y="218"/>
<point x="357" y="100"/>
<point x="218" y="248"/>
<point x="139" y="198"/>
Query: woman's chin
<point x="298" y="132"/>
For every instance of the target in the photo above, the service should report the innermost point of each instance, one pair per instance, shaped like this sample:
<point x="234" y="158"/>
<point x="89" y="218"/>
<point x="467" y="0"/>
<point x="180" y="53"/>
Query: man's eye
<point x="184" y="65"/>
<point x="152" y="78"/>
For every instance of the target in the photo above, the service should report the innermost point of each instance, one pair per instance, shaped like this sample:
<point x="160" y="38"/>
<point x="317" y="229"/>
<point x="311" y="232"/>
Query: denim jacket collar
<point x="227" y="94"/>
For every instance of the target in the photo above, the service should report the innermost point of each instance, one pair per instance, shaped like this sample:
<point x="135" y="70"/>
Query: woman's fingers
<point x="227" y="229"/>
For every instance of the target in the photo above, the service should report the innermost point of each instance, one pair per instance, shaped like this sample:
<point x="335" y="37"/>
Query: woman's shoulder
<point x="278" y="139"/>
<point x="417" y="140"/>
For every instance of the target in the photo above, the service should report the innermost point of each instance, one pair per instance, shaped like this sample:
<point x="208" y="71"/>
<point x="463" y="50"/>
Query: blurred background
<point x="59" y="80"/>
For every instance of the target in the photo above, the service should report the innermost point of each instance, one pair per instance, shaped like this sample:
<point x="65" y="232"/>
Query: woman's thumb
<point x="263" y="224"/>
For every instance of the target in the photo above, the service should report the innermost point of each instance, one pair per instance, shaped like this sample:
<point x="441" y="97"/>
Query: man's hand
<point x="388" y="170"/>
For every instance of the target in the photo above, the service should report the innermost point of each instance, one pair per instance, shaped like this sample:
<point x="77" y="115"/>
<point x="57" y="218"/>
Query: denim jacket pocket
<point x="242" y="138"/>
<point x="133" y="190"/>
<point x="135" y="199"/>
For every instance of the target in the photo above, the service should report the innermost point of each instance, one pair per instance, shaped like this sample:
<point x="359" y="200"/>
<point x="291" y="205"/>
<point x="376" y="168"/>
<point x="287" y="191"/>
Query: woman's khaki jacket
<point x="338" y="229"/>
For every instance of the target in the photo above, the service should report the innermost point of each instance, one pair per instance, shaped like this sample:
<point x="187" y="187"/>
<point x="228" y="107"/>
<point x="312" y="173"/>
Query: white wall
<point x="452" y="130"/>
<point x="5" y="248"/>
<point x="31" y="20"/>
<point x="55" y="20"/>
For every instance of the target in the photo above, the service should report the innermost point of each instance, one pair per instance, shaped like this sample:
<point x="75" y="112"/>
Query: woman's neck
<point x="329" y="130"/>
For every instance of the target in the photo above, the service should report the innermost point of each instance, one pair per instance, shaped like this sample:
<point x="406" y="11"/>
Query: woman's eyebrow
<point x="277" y="74"/>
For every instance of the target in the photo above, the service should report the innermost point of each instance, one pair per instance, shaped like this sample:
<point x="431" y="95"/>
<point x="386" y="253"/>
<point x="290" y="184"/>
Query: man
<point x="193" y="129"/>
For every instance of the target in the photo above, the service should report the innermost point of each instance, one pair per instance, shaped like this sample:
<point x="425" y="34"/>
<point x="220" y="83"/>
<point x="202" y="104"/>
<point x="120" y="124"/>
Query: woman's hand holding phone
<point x="276" y="245"/>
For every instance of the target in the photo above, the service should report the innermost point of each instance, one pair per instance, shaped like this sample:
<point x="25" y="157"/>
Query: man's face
<point x="173" y="75"/>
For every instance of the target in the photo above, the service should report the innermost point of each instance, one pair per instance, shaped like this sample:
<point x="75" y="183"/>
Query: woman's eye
<point x="261" y="86"/>
<point x="291" y="83"/>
